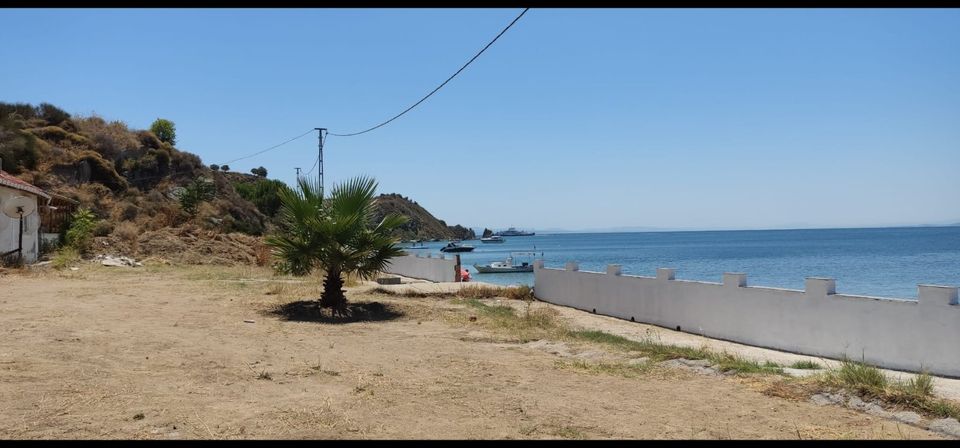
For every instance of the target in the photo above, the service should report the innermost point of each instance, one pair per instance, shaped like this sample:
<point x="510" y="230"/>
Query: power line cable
<point x="268" y="149"/>
<point x="438" y="87"/>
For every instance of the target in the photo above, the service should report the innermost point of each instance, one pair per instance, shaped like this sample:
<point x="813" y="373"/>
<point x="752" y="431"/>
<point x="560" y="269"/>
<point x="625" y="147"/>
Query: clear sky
<point x="574" y="119"/>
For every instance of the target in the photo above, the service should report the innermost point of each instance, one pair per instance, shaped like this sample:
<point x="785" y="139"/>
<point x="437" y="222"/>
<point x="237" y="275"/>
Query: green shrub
<point x="165" y="130"/>
<point x="80" y="234"/>
<point x="19" y="152"/>
<point x="65" y="257"/>
<point x="198" y="191"/>
<point x="263" y="193"/>
<point x="808" y="365"/>
<point x="52" y="114"/>
<point x="22" y="111"/>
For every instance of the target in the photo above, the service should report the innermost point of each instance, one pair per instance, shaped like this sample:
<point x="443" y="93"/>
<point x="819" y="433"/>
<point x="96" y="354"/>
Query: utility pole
<point x="320" y="155"/>
<point x="298" y="172"/>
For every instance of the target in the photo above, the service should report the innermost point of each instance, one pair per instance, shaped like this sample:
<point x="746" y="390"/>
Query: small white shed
<point x="11" y="189"/>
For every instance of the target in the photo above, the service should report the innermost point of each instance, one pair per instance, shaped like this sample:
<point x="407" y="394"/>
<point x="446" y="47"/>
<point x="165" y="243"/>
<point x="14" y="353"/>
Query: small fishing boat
<point x="492" y="239"/>
<point x="454" y="247"/>
<point x="498" y="267"/>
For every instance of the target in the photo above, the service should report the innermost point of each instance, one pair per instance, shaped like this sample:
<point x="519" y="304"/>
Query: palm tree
<point x="334" y="234"/>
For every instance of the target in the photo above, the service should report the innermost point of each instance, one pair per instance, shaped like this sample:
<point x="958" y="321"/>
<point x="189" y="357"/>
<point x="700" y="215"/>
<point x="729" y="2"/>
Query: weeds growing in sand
<point x="545" y="323"/>
<point x="661" y="352"/>
<point x="806" y="365"/>
<point x="868" y="381"/>
<point x="608" y="368"/>
<point x="65" y="257"/>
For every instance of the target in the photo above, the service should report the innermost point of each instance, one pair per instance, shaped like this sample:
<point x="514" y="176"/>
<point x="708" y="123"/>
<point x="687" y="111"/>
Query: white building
<point x="11" y="187"/>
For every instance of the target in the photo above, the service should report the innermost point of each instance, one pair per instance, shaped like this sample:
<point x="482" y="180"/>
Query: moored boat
<point x="492" y="239"/>
<point x="454" y="247"/>
<point x="498" y="267"/>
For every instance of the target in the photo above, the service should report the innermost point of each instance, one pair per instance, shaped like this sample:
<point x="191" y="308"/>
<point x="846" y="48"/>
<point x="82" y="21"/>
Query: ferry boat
<point x="514" y="232"/>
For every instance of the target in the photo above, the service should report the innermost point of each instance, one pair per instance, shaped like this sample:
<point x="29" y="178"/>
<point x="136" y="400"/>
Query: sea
<point x="879" y="262"/>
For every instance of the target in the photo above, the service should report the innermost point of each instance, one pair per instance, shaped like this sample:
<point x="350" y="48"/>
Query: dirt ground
<point x="166" y="352"/>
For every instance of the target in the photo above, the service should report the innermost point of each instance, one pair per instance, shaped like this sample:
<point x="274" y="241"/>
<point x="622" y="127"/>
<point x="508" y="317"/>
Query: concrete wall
<point x="890" y="333"/>
<point x="426" y="267"/>
<point x="10" y="228"/>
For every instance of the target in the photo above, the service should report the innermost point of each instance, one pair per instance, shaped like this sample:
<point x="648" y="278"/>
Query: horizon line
<point x="668" y="229"/>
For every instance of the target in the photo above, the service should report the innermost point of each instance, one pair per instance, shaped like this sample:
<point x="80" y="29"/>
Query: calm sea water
<point x="885" y="262"/>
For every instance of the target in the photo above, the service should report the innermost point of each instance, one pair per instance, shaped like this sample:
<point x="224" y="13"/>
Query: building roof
<point x="7" y="180"/>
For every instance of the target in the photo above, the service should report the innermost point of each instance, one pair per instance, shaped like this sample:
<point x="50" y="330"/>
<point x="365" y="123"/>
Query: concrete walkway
<point x="416" y="285"/>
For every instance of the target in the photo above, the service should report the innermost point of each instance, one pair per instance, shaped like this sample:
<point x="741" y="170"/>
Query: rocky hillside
<point x="422" y="224"/>
<point x="133" y="179"/>
<point x="124" y="175"/>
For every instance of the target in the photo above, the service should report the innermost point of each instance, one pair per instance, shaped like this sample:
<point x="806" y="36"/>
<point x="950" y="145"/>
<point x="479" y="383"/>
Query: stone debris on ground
<point x="701" y="366"/>
<point x="119" y="261"/>
<point x="801" y="373"/>
<point x="908" y="417"/>
<point x="827" y="398"/>
<point x="947" y="426"/>
<point x="553" y="348"/>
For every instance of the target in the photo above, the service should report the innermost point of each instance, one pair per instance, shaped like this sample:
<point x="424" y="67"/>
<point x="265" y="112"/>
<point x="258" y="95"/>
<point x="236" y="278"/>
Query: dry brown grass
<point x="127" y="231"/>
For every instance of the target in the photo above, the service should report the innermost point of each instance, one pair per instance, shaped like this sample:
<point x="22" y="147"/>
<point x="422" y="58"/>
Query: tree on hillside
<point x="224" y="167"/>
<point x="165" y="130"/>
<point x="52" y="114"/>
<point x="264" y="193"/>
<point x="214" y="167"/>
<point x="334" y="235"/>
<point x="261" y="172"/>
<point x="200" y="190"/>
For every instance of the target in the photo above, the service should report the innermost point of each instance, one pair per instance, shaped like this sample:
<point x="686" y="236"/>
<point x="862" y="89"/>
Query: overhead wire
<point x="268" y="149"/>
<point x="438" y="87"/>
<point x="316" y="162"/>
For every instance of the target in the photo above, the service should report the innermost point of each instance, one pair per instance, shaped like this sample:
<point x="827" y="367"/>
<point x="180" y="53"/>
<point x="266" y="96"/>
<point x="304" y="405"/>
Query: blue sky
<point x="574" y="119"/>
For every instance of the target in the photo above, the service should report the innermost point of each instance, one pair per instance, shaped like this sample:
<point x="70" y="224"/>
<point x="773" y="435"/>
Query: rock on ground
<point x="800" y="373"/>
<point x="908" y="417"/>
<point x="948" y="426"/>
<point x="827" y="398"/>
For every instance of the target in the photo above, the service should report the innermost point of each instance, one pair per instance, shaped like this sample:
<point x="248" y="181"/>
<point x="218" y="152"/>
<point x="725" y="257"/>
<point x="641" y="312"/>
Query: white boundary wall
<point x="440" y="269"/>
<point x="889" y="333"/>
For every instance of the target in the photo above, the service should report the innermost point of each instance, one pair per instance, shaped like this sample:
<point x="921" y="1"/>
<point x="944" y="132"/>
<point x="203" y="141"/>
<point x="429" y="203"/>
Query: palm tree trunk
<point x="333" y="294"/>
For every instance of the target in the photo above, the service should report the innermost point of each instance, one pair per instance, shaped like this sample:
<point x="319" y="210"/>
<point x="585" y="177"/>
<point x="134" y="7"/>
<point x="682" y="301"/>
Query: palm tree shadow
<point x="310" y="311"/>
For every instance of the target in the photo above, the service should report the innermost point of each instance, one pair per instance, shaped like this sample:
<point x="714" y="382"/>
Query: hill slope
<point x="422" y="224"/>
<point x="130" y="179"/>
